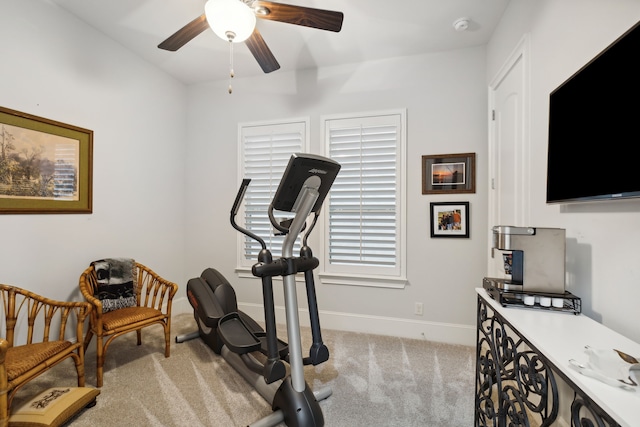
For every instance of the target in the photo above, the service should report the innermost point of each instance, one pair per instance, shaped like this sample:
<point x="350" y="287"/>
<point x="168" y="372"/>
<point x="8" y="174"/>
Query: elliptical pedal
<point x="234" y="334"/>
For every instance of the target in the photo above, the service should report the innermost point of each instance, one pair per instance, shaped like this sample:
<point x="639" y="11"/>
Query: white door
<point x="509" y="147"/>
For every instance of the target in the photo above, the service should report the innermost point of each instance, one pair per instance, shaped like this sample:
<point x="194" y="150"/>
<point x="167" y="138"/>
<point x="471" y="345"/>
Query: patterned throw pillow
<point x="115" y="283"/>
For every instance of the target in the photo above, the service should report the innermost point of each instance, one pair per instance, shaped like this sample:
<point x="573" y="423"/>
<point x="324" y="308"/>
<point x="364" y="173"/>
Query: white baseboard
<point x="180" y="306"/>
<point x="390" y="326"/>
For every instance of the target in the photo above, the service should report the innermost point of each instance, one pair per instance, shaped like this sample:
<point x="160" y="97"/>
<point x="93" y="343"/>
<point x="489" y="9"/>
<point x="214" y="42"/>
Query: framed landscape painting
<point x="45" y="166"/>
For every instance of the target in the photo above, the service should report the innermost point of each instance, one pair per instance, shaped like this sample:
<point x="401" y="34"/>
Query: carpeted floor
<point x="375" y="380"/>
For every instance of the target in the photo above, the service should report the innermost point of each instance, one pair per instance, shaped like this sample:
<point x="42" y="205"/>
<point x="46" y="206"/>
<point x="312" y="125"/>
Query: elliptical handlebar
<point x="316" y="214"/>
<point x="234" y="211"/>
<point x="241" y="192"/>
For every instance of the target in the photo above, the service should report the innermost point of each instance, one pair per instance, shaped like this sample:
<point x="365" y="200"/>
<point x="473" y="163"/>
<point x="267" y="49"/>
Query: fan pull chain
<point x="231" y="73"/>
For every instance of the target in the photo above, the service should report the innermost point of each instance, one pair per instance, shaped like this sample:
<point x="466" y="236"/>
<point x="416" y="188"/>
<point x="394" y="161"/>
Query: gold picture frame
<point x="449" y="173"/>
<point x="45" y="166"/>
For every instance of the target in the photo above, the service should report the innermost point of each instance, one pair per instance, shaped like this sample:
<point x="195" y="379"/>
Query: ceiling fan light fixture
<point x="231" y="20"/>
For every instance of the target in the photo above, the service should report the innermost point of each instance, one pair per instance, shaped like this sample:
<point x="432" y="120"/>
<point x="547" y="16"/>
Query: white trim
<point x="342" y="275"/>
<point x="339" y="279"/>
<point x="360" y="280"/>
<point x="379" y="325"/>
<point x="520" y="53"/>
<point x="246" y="273"/>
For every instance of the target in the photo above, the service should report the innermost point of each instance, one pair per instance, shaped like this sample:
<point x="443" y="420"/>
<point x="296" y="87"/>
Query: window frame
<point x="353" y="275"/>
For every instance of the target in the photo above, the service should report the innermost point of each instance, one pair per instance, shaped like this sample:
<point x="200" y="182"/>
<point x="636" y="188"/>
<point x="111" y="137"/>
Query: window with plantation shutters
<point x="265" y="152"/>
<point x="364" y="227"/>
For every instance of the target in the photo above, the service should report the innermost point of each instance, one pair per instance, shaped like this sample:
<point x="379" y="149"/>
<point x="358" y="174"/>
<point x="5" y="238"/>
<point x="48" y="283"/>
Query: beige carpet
<point x="376" y="381"/>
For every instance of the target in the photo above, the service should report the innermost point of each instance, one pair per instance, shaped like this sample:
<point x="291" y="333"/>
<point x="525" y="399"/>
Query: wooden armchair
<point x="39" y="333"/>
<point x="153" y="297"/>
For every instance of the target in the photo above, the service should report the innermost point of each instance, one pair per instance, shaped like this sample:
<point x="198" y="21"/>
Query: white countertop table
<point x="561" y="336"/>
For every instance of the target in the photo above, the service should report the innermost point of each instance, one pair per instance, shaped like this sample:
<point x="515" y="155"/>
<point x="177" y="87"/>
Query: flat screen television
<point x="594" y="127"/>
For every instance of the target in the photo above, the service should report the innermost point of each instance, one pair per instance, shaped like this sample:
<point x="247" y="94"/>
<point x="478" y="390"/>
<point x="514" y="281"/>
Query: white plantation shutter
<point x="362" y="213"/>
<point x="363" y="229"/>
<point x="266" y="149"/>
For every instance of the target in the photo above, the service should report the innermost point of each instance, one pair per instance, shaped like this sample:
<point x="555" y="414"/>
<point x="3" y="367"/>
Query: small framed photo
<point x="450" y="219"/>
<point x="449" y="173"/>
<point x="45" y="166"/>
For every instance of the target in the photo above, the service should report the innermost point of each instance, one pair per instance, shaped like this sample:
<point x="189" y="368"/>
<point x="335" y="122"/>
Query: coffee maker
<point x="534" y="259"/>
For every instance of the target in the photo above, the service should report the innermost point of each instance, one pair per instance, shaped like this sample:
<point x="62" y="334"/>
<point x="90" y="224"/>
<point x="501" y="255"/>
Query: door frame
<point x="521" y="52"/>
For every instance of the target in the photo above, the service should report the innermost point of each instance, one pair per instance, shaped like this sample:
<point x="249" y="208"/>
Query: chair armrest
<point x="153" y="290"/>
<point x="48" y="319"/>
<point x="88" y="288"/>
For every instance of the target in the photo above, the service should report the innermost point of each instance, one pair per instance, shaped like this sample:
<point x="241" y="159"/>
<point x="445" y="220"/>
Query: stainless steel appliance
<point x="534" y="259"/>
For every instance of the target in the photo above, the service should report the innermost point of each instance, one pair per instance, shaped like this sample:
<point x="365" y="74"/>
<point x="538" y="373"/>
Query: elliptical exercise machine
<point x="233" y="334"/>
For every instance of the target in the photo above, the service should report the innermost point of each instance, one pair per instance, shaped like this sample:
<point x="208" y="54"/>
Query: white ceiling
<point x="372" y="30"/>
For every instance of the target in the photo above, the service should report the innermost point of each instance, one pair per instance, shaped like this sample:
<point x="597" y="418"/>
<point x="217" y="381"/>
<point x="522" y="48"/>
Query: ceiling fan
<point x="235" y="21"/>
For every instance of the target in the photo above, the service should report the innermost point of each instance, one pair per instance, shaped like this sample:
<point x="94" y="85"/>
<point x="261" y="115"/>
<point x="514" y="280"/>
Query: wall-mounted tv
<point x="594" y="127"/>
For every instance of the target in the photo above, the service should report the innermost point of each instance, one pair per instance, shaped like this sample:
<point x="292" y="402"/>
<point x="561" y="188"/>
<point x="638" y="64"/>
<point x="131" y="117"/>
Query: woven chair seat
<point x="126" y="316"/>
<point x="22" y="358"/>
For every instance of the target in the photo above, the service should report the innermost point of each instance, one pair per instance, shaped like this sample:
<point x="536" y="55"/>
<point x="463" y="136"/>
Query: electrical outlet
<point x="418" y="309"/>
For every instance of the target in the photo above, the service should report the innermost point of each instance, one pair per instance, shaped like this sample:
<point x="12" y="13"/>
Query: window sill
<point x="363" y="280"/>
<point x="342" y="279"/>
<point x="245" y="273"/>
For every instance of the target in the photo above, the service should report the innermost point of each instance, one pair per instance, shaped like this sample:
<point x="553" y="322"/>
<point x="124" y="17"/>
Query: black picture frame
<point x="449" y="219"/>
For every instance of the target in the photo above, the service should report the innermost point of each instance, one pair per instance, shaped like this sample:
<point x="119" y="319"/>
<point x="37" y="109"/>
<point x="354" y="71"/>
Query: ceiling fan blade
<point x="261" y="52"/>
<point x="299" y="15"/>
<point x="185" y="34"/>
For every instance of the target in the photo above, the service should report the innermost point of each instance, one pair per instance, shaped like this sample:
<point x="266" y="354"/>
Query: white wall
<point x="445" y="97"/>
<point x="602" y="238"/>
<point x="54" y="66"/>
<point x="165" y="163"/>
